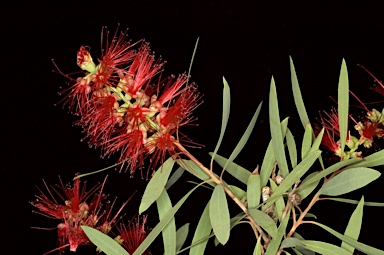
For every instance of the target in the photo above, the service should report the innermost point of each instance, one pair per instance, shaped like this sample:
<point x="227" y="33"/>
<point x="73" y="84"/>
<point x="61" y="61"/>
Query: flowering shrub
<point x="125" y="106"/>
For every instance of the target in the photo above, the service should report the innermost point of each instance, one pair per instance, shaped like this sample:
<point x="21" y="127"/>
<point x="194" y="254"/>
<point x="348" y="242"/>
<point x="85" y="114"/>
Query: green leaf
<point x="295" y="175"/>
<point x="239" y="193"/>
<point x="257" y="250"/>
<point x="279" y="204"/>
<point x="219" y="214"/>
<point x="244" y="138"/>
<point x="169" y="232"/>
<point x="160" y="226"/>
<point x="300" y="249"/>
<point x="274" y="245"/>
<point x="297" y="95"/>
<point x="359" y="246"/>
<point x="234" y="169"/>
<point x="197" y="171"/>
<point x="291" y="148"/>
<point x="324" y="248"/>
<point x="351" y="201"/>
<point x="354" y="226"/>
<point x="267" y="165"/>
<point x="319" y="175"/>
<point x="266" y="222"/>
<point x="181" y="236"/>
<point x="277" y="136"/>
<point x="253" y="190"/>
<point x="291" y="242"/>
<point x="203" y="230"/>
<point x="156" y="185"/>
<point x="193" y="57"/>
<point x="343" y="105"/>
<point x="174" y="177"/>
<point x="317" y="142"/>
<point x="307" y="140"/>
<point x="225" y="117"/>
<point x="104" y="242"/>
<point x="304" y="190"/>
<point x="349" y="180"/>
<point x="375" y="159"/>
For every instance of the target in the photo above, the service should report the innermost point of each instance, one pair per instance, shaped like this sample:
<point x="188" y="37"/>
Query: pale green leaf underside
<point x="169" y="232"/>
<point x="225" y="116"/>
<point x="349" y="180"/>
<point x="343" y="104"/>
<point x="219" y="214"/>
<point x="104" y="242"/>
<point x="354" y="226"/>
<point x="156" y="185"/>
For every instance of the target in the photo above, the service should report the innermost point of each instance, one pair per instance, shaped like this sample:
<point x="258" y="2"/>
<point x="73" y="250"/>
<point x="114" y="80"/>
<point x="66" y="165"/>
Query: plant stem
<point x="214" y="178"/>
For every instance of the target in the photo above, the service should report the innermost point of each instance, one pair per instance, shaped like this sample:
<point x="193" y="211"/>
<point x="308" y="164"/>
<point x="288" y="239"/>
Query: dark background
<point x="245" y="41"/>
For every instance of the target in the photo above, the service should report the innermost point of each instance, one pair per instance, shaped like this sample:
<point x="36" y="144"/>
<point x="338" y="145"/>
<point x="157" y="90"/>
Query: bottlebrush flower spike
<point x="125" y="106"/>
<point x="372" y="127"/>
<point x="78" y="207"/>
<point x="133" y="234"/>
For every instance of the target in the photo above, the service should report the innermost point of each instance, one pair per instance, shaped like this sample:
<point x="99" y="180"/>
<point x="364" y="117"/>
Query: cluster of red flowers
<point x="370" y="126"/>
<point x="126" y="106"/>
<point x="79" y="207"/>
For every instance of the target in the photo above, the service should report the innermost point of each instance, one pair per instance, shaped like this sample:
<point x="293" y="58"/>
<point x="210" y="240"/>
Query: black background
<point x="245" y="41"/>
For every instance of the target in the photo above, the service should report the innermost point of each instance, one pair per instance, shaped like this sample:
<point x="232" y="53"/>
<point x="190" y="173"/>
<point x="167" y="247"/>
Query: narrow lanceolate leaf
<point x="161" y="225"/>
<point x="156" y="185"/>
<point x="351" y="201"/>
<point x="244" y="138"/>
<point x="293" y="176"/>
<point x="317" y="142"/>
<point x="291" y="242"/>
<point x="324" y="248"/>
<point x="307" y="140"/>
<point x="301" y="249"/>
<point x="375" y="159"/>
<point x="203" y="230"/>
<point x="257" y="250"/>
<point x="274" y="245"/>
<point x="181" y="236"/>
<point x="297" y="96"/>
<point x="354" y="226"/>
<point x="291" y="144"/>
<point x="196" y="170"/>
<point x="225" y="117"/>
<point x="239" y="193"/>
<point x="349" y="180"/>
<point x="366" y="249"/>
<point x="343" y="105"/>
<point x="279" y="204"/>
<point x="169" y="232"/>
<point x="319" y="175"/>
<point x="266" y="222"/>
<point x="304" y="190"/>
<point x="193" y="57"/>
<point x="267" y="165"/>
<point x="174" y="177"/>
<point x="234" y="169"/>
<point x="277" y="136"/>
<point x="219" y="214"/>
<point x="104" y="242"/>
<point x="253" y="190"/>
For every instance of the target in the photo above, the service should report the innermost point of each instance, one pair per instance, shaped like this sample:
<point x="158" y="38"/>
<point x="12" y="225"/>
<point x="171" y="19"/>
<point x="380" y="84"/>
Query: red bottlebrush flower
<point x="131" y="149"/>
<point x="141" y="71"/>
<point x="78" y="207"/>
<point x="378" y="88"/>
<point x="118" y="51"/>
<point x="121" y="106"/>
<point x="368" y="131"/>
<point x="331" y="131"/>
<point x="133" y="234"/>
